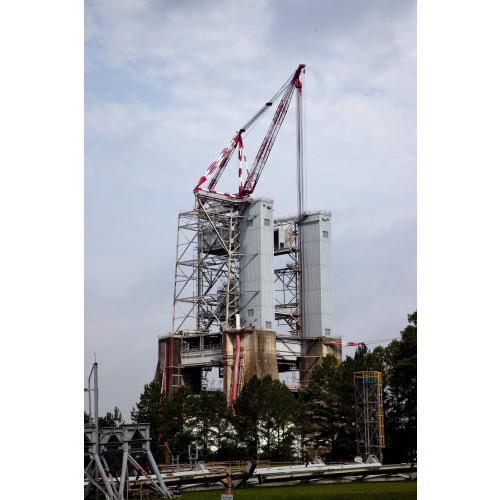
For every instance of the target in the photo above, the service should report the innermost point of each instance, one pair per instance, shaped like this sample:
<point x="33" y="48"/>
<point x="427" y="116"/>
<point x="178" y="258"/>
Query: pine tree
<point x="401" y="411"/>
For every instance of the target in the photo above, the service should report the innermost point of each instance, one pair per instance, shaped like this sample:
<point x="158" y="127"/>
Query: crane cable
<point x="378" y="341"/>
<point x="250" y="124"/>
<point x="304" y="135"/>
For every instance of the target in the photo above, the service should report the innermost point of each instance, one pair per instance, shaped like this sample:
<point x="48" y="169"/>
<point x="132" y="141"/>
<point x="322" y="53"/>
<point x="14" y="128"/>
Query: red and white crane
<point x="359" y="344"/>
<point x="348" y="344"/>
<point x="217" y="167"/>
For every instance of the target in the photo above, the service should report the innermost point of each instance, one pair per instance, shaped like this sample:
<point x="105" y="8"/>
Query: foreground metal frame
<point x="114" y="446"/>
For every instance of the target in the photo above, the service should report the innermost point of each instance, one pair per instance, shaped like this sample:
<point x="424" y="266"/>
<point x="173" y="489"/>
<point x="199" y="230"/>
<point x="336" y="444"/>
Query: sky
<point x="166" y="86"/>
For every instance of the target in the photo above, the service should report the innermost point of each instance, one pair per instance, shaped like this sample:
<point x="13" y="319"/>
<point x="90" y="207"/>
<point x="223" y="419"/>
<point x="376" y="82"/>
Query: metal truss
<point x="369" y="413"/>
<point x="206" y="290"/>
<point x="118" y="446"/>
<point x="287" y="279"/>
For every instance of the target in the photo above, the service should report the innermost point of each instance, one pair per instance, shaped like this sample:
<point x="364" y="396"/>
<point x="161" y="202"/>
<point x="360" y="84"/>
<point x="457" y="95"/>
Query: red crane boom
<point x="349" y="344"/>
<point x="216" y="169"/>
<point x="268" y="142"/>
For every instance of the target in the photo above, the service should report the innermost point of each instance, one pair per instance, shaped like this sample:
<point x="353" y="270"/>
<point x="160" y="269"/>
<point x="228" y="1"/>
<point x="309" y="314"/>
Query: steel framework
<point x="113" y="446"/>
<point x="111" y="452"/>
<point x="287" y="279"/>
<point x="206" y="290"/>
<point x="369" y="413"/>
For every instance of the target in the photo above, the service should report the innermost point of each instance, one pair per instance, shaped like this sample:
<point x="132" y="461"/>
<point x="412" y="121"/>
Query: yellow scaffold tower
<point x="370" y="436"/>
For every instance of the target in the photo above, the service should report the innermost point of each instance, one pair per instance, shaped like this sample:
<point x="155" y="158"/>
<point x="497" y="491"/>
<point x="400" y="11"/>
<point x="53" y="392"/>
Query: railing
<point x="234" y="465"/>
<point x="286" y="218"/>
<point x="212" y="467"/>
<point x="189" y="349"/>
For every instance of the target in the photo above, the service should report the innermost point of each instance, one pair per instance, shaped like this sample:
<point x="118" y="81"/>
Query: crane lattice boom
<point x="216" y="169"/>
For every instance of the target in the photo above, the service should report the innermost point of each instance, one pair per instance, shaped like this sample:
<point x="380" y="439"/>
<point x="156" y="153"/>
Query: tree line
<point x="271" y="422"/>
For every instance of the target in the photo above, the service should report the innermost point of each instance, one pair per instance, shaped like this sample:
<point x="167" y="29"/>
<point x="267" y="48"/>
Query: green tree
<point x="149" y="410"/>
<point x="112" y="419"/>
<point x="303" y="427"/>
<point x="278" y="406"/>
<point x="224" y="436"/>
<point x="170" y="419"/>
<point x="330" y="401"/>
<point x="211" y="423"/>
<point x="247" y="417"/>
<point x="401" y="394"/>
<point x="177" y="421"/>
<point x="264" y="418"/>
<point x="366" y="360"/>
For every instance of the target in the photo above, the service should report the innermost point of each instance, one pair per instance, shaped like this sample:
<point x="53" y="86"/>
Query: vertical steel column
<point x="159" y="478"/>
<point x="96" y="396"/>
<point x="124" y="474"/>
<point x="300" y="155"/>
<point x="300" y="208"/>
<point x="176" y="271"/>
<point x="229" y="259"/>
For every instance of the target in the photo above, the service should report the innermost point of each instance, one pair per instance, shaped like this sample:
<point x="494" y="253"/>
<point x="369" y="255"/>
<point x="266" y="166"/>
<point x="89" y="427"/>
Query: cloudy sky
<point x="166" y="86"/>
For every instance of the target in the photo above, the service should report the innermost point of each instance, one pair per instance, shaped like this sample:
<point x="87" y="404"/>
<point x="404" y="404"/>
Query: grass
<point x="384" y="490"/>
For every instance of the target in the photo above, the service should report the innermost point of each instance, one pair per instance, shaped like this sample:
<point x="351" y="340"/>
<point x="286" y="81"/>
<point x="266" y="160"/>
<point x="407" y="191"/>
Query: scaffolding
<point x="206" y="289"/>
<point x="287" y="278"/>
<point x="370" y="437"/>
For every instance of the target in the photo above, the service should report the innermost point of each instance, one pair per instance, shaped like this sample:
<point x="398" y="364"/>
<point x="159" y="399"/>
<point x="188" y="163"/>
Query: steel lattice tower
<point x="287" y="278"/>
<point x="369" y="413"/>
<point x="206" y="289"/>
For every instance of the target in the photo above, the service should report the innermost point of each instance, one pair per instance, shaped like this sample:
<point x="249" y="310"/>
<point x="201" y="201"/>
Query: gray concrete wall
<point x="313" y="352"/>
<point x="257" y="356"/>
